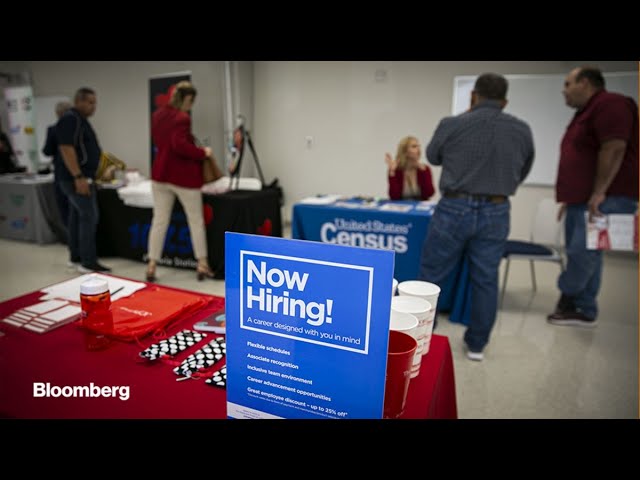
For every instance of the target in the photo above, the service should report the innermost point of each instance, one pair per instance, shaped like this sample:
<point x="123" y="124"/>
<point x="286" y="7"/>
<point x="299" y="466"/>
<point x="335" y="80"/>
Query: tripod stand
<point x="240" y="136"/>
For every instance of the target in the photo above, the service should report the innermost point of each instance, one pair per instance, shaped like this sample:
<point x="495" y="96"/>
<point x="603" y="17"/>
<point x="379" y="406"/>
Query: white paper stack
<point x="223" y="184"/>
<point x="70" y="289"/>
<point x="137" y="194"/>
<point x="44" y="316"/>
<point x="426" y="205"/>
<point x="396" y="207"/>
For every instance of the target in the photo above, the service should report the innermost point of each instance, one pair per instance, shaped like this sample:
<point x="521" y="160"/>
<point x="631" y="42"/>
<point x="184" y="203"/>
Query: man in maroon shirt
<point x="598" y="174"/>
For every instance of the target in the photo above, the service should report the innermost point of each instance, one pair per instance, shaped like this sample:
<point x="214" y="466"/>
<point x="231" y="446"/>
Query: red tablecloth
<point x="59" y="358"/>
<point x="432" y="394"/>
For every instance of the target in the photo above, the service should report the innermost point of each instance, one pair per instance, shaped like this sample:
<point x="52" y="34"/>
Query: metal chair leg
<point x="533" y="276"/>
<point x="504" y="282"/>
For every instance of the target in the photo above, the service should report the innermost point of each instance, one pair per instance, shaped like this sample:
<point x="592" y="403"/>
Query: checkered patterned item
<point x="218" y="379"/>
<point x="169" y="347"/>
<point x="211" y="353"/>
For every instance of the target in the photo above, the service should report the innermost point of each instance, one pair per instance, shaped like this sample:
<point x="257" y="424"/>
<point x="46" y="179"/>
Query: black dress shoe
<point x="571" y="318"/>
<point x="565" y="304"/>
<point x="93" y="267"/>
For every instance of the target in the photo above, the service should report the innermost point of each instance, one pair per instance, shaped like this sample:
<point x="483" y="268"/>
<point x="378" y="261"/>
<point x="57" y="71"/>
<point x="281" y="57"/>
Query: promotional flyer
<point x="22" y="125"/>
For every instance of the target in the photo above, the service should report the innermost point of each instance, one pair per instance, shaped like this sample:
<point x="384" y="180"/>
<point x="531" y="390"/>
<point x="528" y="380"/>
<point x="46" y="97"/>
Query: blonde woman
<point x="177" y="172"/>
<point x="408" y="178"/>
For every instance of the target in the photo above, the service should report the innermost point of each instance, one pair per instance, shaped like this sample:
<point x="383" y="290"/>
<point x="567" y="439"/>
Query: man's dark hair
<point x="491" y="86"/>
<point x="593" y="76"/>
<point x="83" y="92"/>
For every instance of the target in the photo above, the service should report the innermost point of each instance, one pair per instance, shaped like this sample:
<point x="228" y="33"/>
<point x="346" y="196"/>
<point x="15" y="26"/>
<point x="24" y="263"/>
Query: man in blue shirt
<point x="80" y="151"/>
<point x="485" y="154"/>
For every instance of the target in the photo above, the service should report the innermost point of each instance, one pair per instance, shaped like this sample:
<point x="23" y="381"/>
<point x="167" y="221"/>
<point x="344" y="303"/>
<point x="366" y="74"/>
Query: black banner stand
<point x="240" y="136"/>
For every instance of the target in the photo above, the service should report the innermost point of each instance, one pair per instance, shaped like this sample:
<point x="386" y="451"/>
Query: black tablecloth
<point x="123" y="230"/>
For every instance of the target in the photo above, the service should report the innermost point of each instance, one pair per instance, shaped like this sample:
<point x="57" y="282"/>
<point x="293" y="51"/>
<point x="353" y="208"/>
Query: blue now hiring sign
<point x="307" y="328"/>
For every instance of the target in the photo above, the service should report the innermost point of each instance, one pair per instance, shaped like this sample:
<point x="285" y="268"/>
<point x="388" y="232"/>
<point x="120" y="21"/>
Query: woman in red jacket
<point x="177" y="172"/>
<point x="408" y="178"/>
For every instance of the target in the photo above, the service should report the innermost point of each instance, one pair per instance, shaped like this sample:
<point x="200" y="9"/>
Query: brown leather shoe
<point x="151" y="274"/>
<point x="203" y="273"/>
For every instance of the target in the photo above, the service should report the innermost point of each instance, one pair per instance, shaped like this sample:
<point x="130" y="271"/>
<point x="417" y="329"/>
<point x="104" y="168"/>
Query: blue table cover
<point x="396" y="225"/>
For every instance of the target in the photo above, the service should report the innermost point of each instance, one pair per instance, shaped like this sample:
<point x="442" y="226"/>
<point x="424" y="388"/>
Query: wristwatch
<point x="78" y="176"/>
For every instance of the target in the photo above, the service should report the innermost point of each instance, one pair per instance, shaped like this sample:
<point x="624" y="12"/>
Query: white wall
<point x="357" y="111"/>
<point x="352" y="117"/>
<point x="121" y="120"/>
<point x="242" y="98"/>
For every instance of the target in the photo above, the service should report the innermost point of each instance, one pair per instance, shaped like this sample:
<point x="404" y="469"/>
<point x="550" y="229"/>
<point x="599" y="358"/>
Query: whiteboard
<point x="538" y="100"/>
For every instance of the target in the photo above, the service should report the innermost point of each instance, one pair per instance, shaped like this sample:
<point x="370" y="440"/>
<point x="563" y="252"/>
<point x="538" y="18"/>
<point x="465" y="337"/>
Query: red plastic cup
<point x="402" y="349"/>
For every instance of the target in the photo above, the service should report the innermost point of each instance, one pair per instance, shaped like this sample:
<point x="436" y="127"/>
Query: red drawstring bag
<point x="149" y="311"/>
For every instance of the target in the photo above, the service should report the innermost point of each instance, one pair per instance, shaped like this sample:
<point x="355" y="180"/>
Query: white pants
<point x="164" y="195"/>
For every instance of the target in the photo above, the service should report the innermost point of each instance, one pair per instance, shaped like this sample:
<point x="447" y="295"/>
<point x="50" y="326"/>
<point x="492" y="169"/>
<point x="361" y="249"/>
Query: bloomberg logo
<point x="368" y="234"/>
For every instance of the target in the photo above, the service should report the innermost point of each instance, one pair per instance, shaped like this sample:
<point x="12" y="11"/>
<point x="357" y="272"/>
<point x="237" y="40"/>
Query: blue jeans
<point x="581" y="279"/>
<point x="63" y="208"/>
<point x="479" y="230"/>
<point x="82" y="224"/>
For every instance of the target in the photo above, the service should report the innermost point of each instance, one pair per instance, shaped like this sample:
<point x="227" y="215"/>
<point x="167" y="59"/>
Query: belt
<point x="472" y="196"/>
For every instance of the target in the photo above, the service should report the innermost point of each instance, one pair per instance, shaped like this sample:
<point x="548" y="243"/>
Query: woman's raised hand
<point x="391" y="163"/>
